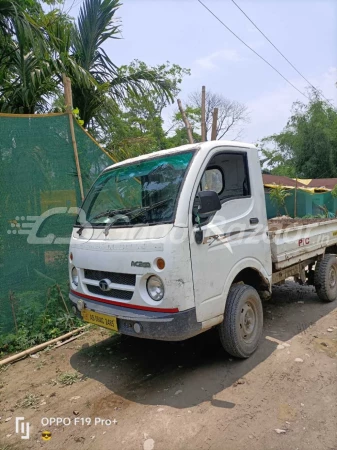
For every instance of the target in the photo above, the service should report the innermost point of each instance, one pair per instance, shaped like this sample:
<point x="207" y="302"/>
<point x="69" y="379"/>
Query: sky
<point x="185" y="33"/>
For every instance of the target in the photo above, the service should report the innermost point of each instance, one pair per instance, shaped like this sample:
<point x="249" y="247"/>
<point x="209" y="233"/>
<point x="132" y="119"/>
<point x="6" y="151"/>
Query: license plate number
<point x="102" y="320"/>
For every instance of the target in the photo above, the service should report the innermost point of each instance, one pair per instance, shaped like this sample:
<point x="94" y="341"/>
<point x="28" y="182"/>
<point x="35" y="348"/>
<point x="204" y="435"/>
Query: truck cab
<point x="170" y="244"/>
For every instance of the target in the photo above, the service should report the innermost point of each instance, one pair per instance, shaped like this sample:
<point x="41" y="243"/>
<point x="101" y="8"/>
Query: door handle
<point x="253" y="220"/>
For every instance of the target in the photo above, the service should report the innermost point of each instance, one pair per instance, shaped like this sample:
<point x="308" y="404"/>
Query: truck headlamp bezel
<point x="155" y="288"/>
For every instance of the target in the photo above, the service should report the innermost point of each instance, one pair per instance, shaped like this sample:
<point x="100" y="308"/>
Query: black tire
<point x="241" y="329"/>
<point x="326" y="278"/>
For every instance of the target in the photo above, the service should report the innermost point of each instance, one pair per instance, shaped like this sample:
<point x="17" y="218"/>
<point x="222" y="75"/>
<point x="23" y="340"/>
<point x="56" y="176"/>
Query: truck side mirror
<point x="209" y="203"/>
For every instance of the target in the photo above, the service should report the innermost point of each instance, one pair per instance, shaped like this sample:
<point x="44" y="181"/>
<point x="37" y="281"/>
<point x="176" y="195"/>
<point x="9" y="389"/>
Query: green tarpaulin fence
<point x="38" y="200"/>
<point x="308" y="204"/>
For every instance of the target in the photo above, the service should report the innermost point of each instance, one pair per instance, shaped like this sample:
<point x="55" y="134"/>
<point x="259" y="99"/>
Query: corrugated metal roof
<point x="328" y="183"/>
<point x="280" y="180"/>
<point x="324" y="184"/>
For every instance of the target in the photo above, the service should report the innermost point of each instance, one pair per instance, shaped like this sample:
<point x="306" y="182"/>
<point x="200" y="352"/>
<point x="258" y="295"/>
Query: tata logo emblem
<point x="140" y="264"/>
<point x="104" y="285"/>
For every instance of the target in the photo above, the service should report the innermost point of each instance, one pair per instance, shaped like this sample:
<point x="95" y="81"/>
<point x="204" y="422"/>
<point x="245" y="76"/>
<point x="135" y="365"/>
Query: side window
<point x="227" y="175"/>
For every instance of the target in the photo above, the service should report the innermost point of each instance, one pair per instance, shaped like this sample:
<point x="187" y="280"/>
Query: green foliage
<point x="179" y="137"/>
<point x="278" y="196"/>
<point x="154" y="101"/>
<point x="4" y="368"/>
<point x="277" y="162"/>
<point x="28" y="64"/>
<point x="31" y="73"/>
<point x="314" y="216"/>
<point x="136" y="127"/>
<point x="334" y="192"/>
<point x="36" y="325"/>
<point x="69" y="378"/>
<point x="308" y="144"/>
<point x="76" y="113"/>
<point x="324" y="209"/>
<point x="96" y="24"/>
<point x="121" y="106"/>
<point x="29" y="401"/>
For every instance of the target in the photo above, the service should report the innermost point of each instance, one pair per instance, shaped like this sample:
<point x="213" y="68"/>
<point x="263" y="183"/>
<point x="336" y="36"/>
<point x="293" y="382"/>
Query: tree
<point x="177" y="134"/>
<point x="142" y="113"/>
<point x="28" y="80"/>
<point x="277" y="163"/>
<point x="14" y="18"/>
<point x="28" y="64"/>
<point x="278" y="196"/>
<point x="96" y="24"/>
<point x="14" y="13"/>
<point x="137" y="127"/>
<point x="232" y="115"/>
<point x="74" y="49"/>
<point x="307" y="146"/>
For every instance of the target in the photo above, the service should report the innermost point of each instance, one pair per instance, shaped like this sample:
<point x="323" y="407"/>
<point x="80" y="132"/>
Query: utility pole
<point x="186" y="122"/>
<point x="214" y="124"/>
<point x="203" y="114"/>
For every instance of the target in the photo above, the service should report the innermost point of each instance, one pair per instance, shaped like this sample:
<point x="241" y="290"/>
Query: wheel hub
<point x="247" y="321"/>
<point x="332" y="277"/>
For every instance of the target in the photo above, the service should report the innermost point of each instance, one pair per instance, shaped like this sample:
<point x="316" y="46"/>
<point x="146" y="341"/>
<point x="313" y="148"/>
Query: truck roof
<point x="199" y="146"/>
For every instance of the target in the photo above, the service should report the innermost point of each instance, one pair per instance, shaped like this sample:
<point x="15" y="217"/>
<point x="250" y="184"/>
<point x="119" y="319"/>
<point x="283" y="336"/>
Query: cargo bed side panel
<point x="292" y="245"/>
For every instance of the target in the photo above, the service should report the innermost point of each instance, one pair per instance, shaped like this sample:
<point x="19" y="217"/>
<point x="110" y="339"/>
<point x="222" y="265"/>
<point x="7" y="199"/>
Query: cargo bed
<point x="296" y="240"/>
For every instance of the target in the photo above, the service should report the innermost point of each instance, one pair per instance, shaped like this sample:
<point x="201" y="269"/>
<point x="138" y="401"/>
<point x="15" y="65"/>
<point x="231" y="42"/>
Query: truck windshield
<point x="142" y="193"/>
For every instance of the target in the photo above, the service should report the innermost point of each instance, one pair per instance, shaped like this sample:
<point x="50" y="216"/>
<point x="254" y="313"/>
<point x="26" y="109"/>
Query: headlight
<point x="155" y="288"/>
<point x="74" y="276"/>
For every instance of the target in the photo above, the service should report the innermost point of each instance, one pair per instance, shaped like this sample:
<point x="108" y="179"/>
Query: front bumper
<point x="153" y="325"/>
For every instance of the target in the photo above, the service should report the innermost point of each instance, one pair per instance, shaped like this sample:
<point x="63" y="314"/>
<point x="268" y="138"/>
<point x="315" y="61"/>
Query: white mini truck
<point x="170" y="244"/>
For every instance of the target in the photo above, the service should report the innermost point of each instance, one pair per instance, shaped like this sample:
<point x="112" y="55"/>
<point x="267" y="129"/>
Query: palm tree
<point x="278" y="195"/>
<point x="25" y="71"/>
<point x="11" y="12"/>
<point x="30" y="77"/>
<point x="96" y="24"/>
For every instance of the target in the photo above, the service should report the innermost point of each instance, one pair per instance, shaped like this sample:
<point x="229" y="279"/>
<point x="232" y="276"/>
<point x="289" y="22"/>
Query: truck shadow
<point x="184" y="374"/>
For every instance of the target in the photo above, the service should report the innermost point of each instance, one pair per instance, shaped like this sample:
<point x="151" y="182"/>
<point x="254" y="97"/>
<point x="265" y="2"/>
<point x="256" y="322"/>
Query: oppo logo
<point x="140" y="264"/>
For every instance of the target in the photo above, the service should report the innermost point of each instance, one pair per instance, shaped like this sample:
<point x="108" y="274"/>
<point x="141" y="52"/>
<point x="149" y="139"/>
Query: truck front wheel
<point x="241" y="329"/>
<point x="326" y="278"/>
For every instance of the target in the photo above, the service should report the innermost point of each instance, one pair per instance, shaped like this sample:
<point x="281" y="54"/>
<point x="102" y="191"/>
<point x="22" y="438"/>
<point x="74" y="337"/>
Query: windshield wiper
<point x="139" y="211"/>
<point x="113" y="212"/>
<point x="107" y="213"/>
<point x="148" y="208"/>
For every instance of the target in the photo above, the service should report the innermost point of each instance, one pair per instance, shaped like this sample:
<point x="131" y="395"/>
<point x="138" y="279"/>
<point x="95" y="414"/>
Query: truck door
<point x="232" y="238"/>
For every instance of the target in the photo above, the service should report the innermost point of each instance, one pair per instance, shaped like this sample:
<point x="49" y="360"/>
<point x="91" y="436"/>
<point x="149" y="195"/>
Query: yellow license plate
<point x="102" y="320"/>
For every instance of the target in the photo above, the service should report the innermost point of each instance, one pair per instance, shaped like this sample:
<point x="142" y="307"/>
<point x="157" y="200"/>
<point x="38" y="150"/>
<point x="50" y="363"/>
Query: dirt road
<point x="189" y="395"/>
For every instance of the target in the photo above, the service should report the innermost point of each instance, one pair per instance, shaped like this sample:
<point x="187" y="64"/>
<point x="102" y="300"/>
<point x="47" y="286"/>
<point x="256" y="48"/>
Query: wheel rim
<point x="248" y="321"/>
<point x="332" y="277"/>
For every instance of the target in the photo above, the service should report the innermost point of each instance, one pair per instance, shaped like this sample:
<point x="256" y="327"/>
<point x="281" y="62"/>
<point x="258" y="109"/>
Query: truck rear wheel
<point x="326" y="278"/>
<point x="241" y="329"/>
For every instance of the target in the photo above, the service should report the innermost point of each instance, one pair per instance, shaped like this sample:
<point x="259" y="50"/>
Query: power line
<point x="250" y="48"/>
<point x="283" y="56"/>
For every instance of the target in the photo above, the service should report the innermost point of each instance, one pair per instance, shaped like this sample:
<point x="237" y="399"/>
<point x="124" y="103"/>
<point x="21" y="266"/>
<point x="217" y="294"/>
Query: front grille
<point x="113" y="293"/>
<point x="114" y="277"/>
